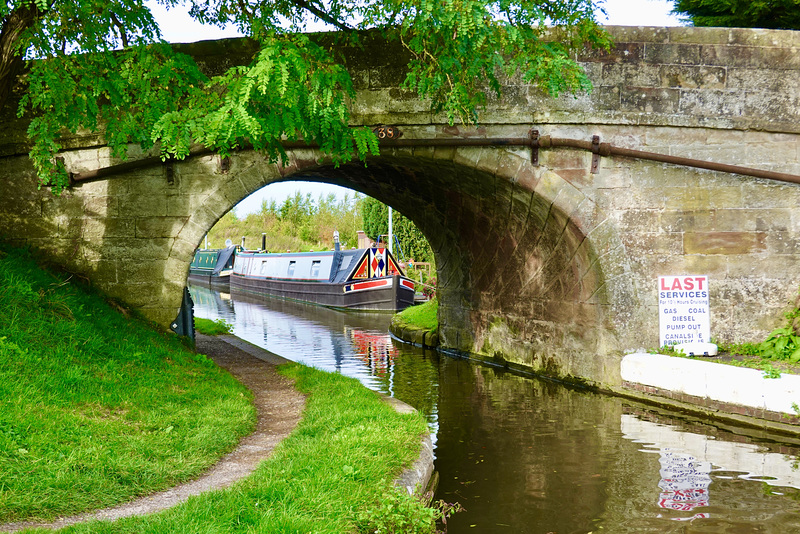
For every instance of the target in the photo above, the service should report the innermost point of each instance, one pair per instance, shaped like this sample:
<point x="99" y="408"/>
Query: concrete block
<point x="724" y="383"/>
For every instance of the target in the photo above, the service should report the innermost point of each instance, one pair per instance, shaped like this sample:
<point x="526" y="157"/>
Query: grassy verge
<point x="331" y="475"/>
<point x="422" y="316"/>
<point x="98" y="408"/>
<point x="212" y="328"/>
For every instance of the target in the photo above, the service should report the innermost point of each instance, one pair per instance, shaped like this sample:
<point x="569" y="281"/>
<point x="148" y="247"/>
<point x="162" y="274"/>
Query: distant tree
<point x="298" y="223"/>
<point x="776" y="14"/>
<point x="340" y="215"/>
<point x="101" y="66"/>
<point x="376" y="224"/>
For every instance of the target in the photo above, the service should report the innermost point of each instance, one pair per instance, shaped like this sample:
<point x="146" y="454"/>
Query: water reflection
<point x="353" y="343"/>
<point x="525" y="455"/>
<point x="684" y="483"/>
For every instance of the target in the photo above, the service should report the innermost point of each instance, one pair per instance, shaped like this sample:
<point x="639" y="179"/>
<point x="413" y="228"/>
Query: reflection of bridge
<point x="545" y="264"/>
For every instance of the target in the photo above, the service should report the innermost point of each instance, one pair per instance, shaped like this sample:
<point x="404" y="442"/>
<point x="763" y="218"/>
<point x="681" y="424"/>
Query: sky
<point x="178" y="27"/>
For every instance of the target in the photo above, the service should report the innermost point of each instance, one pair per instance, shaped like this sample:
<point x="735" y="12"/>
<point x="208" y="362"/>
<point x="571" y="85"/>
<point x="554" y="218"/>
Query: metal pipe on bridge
<point x="533" y="141"/>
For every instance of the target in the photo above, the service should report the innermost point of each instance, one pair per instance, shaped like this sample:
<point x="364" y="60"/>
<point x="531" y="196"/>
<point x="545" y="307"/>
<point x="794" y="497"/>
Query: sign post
<point x="683" y="311"/>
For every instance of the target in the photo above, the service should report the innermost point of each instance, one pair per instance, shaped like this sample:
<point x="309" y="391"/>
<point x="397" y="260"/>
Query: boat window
<point x="315" y="268"/>
<point x="290" y="272"/>
<point x="264" y="267"/>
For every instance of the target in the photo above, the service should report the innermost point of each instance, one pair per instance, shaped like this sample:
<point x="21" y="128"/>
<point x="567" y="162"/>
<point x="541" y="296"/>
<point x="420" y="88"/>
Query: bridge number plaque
<point x="683" y="312"/>
<point x="387" y="132"/>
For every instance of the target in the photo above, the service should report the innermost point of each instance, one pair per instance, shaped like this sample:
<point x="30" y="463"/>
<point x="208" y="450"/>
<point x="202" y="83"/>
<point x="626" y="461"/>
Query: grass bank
<point x="423" y="316"/>
<point x="98" y="408"/>
<point x="418" y="324"/>
<point x="331" y="475"/>
<point x="212" y="328"/>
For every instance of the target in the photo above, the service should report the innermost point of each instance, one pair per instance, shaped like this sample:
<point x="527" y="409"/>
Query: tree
<point x="376" y="224"/>
<point x="101" y="65"/>
<point x="776" y="14"/>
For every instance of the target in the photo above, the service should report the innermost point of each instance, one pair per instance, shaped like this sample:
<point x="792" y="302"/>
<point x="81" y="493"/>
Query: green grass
<point x="98" y="408"/>
<point x="330" y="474"/>
<point x="212" y="328"/>
<point x="422" y="316"/>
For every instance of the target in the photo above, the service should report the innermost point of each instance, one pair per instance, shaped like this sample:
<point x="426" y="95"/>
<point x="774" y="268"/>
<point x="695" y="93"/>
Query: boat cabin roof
<point x="328" y="266"/>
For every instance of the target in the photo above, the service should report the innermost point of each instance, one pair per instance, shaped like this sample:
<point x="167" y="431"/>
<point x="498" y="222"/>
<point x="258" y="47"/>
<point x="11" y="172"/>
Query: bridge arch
<point x="523" y="261"/>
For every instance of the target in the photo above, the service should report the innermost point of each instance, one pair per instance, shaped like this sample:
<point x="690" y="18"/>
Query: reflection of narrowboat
<point x="358" y="279"/>
<point x="213" y="267"/>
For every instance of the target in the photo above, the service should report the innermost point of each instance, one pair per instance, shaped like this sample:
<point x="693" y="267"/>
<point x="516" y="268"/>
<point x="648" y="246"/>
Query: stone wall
<point x="546" y="267"/>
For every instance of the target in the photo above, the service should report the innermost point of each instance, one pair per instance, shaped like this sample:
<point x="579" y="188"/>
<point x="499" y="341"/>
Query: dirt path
<point x="278" y="406"/>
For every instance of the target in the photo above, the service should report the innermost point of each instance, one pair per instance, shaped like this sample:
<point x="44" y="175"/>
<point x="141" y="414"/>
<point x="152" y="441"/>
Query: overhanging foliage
<point x="100" y="65"/>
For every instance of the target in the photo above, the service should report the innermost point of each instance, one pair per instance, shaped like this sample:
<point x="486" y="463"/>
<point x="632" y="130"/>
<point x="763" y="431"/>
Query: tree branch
<point x="11" y="61"/>
<point x="303" y="4"/>
<point x="244" y="9"/>
<point x="123" y="35"/>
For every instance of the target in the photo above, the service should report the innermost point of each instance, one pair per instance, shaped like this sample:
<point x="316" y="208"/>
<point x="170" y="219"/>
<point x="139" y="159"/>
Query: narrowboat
<point x="357" y="279"/>
<point x="213" y="267"/>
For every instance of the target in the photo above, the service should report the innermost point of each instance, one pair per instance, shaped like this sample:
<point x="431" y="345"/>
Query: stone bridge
<point x="542" y="265"/>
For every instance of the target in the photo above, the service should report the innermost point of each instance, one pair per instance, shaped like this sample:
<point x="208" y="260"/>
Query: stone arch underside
<point x="519" y="281"/>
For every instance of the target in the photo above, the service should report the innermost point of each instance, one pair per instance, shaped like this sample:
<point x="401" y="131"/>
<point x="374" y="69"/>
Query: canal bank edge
<point x="416" y="478"/>
<point x="738" y="396"/>
<point x="409" y="333"/>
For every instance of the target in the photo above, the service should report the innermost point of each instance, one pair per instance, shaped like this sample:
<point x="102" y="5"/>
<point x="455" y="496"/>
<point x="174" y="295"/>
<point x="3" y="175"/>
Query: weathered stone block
<point x="101" y="272"/>
<point x="712" y="103"/>
<point x="159" y="226"/>
<point x="662" y="244"/>
<point x="692" y="35"/>
<point x="627" y="74"/>
<point x="650" y="100"/>
<point x="673" y="54"/>
<point x="767" y="194"/>
<point x="135" y="249"/>
<point x="727" y="243"/>
<point x="99" y="228"/>
<point x="694" y="199"/>
<point x="783" y="243"/>
<point x="763" y="80"/>
<point x="621" y="52"/>
<point x="762" y="37"/>
<point x="692" y="77"/>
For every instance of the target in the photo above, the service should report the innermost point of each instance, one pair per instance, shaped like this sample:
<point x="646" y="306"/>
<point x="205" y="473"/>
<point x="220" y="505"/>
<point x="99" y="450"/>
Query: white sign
<point x="683" y="314"/>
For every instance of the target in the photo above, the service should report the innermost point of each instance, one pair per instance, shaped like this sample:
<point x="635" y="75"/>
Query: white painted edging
<point x="724" y="383"/>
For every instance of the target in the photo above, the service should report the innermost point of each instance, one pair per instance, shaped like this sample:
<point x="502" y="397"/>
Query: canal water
<point x="527" y="455"/>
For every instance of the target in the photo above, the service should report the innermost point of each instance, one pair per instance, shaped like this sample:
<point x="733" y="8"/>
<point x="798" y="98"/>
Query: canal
<point x="528" y="455"/>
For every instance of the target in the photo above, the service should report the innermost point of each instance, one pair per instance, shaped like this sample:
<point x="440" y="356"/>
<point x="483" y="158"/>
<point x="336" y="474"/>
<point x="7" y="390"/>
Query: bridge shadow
<point x="519" y="282"/>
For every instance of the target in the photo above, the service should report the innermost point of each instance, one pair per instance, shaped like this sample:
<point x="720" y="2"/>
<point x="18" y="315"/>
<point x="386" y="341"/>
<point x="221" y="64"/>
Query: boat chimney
<point x="243" y="243"/>
<point x="336" y="240"/>
<point x="263" y="242"/>
<point x="363" y="240"/>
